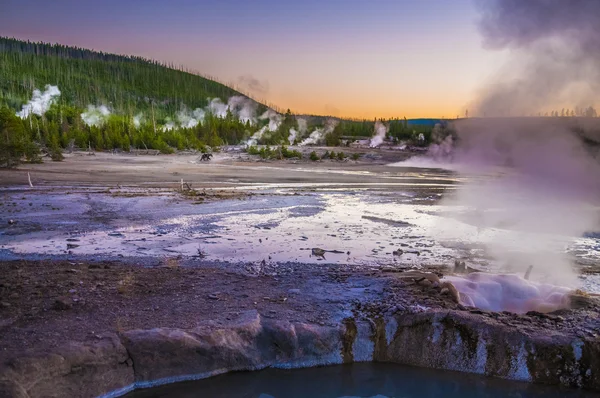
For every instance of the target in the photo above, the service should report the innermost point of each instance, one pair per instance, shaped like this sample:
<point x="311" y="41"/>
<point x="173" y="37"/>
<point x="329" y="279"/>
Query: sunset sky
<point x="379" y="58"/>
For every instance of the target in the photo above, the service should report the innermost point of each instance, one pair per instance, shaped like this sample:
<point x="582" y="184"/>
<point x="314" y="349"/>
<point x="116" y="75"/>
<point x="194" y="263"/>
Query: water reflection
<point x="357" y="380"/>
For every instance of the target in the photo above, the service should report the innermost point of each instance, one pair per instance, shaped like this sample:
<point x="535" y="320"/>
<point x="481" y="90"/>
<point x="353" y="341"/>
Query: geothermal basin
<point x="134" y="282"/>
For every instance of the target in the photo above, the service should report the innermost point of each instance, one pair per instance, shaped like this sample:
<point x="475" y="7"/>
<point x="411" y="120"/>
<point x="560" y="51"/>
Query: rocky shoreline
<point x="298" y="325"/>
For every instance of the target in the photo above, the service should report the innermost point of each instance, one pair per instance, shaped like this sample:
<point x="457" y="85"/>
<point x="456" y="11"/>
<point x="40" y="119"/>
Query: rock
<point x="72" y="246"/>
<point x="62" y="304"/>
<point x="11" y="222"/>
<point x="316" y="251"/>
<point x="71" y="271"/>
<point x="74" y="370"/>
<point x="397" y="252"/>
<point x="248" y="343"/>
<point x="4" y="304"/>
<point x="579" y="300"/>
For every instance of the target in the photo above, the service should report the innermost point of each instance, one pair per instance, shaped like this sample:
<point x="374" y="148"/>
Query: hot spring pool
<point x="356" y="380"/>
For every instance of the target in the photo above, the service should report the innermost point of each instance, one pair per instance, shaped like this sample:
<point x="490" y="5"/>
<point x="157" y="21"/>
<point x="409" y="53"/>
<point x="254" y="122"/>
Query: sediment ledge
<point x="442" y="339"/>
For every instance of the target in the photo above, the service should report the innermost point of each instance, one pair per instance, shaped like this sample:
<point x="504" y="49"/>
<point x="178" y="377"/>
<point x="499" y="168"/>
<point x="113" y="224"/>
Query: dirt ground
<point x="225" y="170"/>
<point x="47" y="304"/>
<point x="44" y="304"/>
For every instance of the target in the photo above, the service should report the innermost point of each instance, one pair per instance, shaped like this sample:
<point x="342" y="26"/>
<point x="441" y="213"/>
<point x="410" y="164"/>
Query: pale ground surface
<point x="249" y="211"/>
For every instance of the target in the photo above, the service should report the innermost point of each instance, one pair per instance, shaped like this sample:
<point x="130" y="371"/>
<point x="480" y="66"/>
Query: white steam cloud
<point x="318" y="135"/>
<point x="40" y="102"/>
<point x="302" y="125"/>
<point x="241" y="107"/>
<point x="380" y="132"/>
<point x="217" y="108"/>
<point x="138" y="120"/>
<point x="169" y="125"/>
<point x="275" y="120"/>
<point x="188" y="120"/>
<point x="95" y="115"/>
<point x="292" y="136"/>
<point x="244" y="108"/>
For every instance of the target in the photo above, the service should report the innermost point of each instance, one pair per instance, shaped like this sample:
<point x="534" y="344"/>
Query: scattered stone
<point x="11" y="222"/>
<point x="62" y="304"/>
<point x="213" y="296"/>
<point x="71" y="271"/>
<point x="397" y="252"/>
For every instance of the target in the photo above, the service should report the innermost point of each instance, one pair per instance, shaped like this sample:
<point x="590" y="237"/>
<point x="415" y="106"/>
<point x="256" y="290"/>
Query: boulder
<point x="76" y="370"/>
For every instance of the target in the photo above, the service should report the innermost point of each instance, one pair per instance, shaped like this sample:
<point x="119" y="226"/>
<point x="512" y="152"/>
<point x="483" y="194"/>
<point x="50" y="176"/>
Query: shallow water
<point x="397" y="223"/>
<point x="356" y="380"/>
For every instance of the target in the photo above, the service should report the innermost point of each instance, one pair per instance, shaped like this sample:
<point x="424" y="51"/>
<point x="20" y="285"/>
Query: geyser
<point x="380" y="132"/>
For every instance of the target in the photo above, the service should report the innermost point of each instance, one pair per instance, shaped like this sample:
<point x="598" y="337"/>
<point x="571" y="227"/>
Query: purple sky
<point x="420" y="58"/>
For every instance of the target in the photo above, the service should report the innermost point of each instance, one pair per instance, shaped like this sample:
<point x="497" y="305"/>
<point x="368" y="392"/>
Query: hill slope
<point x="88" y="77"/>
<point x="54" y="96"/>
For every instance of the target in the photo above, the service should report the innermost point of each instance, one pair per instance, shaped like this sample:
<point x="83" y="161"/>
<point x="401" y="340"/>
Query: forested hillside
<point x="84" y="77"/>
<point x="53" y="97"/>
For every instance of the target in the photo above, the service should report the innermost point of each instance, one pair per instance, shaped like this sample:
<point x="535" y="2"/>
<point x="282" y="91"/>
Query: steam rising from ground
<point x="217" y="108"/>
<point x="318" y="135"/>
<point x="508" y="293"/>
<point x="244" y="108"/>
<point x="275" y="120"/>
<point x="292" y="136"/>
<point x="380" y="132"/>
<point x="295" y="134"/>
<point x="40" y="102"/>
<point x="95" y="115"/>
<point x="547" y="184"/>
<point x="188" y="120"/>
<point x="138" y="120"/>
<point x="554" y="54"/>
<point x="241" y="107"/>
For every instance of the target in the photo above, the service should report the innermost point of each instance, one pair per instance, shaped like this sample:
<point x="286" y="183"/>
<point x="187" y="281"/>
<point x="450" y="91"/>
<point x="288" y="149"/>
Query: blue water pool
<point x="356" y="380"/>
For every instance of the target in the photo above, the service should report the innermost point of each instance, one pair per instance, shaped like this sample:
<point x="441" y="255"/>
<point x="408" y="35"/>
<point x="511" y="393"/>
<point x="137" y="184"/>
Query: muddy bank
<point x="107" y="328"/>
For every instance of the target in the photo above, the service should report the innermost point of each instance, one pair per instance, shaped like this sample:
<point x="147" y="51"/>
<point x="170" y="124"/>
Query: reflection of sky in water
<point x="364" y="225"/>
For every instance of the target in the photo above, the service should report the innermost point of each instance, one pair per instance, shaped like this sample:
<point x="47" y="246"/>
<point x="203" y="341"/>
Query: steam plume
<point x="188" y="120"/>
<point x="292" y="136"/>
<point x="380" y="132"/>
<point x="169" y="125"/>
<point x="275" y="120"/>
<point x="217" y="108"/>
<point x="244" y="108"/>
<point x="95" y="115"/>
<point x="318" y="135"/>
<point x="40" y="102"/>
<point x="302" y="125"/>
<point x="544" y="195"/>
<point x="554" y="59"/>
<point x="138" y="120"/>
